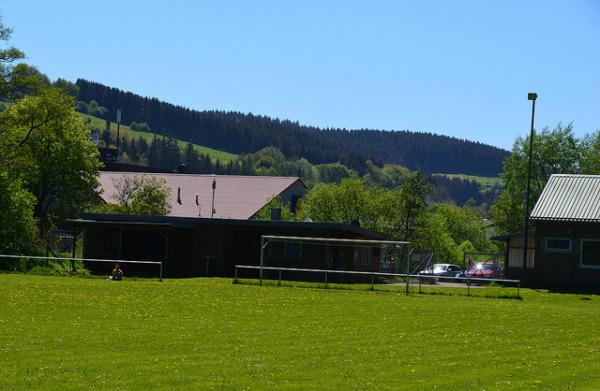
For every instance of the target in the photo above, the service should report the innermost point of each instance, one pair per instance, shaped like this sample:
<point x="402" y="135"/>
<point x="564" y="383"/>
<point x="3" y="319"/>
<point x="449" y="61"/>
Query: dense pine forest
<point x="425" y="151"/>
<point x="245" y="133"/>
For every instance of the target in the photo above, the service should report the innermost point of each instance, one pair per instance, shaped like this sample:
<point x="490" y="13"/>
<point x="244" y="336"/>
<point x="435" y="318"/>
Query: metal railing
<point x="73" y="260"/>
<point x="419" y="277"/>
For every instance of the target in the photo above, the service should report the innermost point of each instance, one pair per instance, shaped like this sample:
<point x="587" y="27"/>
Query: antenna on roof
<point x="179" y="195"/>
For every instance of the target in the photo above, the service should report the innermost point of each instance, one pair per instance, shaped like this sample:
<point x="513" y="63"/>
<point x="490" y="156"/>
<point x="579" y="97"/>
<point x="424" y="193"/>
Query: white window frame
<point x="557" y="250"/>
<point x="581" y="265"/>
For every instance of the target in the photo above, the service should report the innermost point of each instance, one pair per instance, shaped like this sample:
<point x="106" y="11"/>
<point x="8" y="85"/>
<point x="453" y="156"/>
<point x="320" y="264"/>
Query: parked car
<point x="485" y="270"/>
<point x="443" y="270"/>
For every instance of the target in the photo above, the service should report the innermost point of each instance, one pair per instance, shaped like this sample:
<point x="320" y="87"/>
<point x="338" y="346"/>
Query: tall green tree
<point x="412" y="196"/>
<point x="555" y="151"/>
<point x="18" y="232"/>
<point x="7" y="58"/>
<point x="47" y="146"/>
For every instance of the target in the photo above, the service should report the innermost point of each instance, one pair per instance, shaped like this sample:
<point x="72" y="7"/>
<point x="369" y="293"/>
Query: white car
<point x="442" y="270"/>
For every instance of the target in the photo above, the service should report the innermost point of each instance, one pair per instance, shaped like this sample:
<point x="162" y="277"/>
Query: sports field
<point x="80" y="333"/>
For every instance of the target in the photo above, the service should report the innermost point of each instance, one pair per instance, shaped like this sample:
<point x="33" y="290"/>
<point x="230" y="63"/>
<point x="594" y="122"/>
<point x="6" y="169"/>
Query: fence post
<point x="468" y="286"/>
<point x="279" y="282"/>
<point x="419" y="277"/>
<point x="407" y="254"/>
<point x="518" y="288"/>
<point x="235" y="275"/>
<point x="372" y="282"/>
<point x="325" y="280"/>
<point x="160" y="272"/>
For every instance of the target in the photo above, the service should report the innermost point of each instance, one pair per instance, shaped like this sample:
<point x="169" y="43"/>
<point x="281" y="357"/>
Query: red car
<point x="485" y="270"/>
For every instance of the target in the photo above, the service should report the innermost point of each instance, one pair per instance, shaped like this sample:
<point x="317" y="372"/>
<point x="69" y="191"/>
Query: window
<point x="285" y="249"/>
<point x="558" y="244"/>
<point x="590" y="254"/>
<point x="362" y="256"/>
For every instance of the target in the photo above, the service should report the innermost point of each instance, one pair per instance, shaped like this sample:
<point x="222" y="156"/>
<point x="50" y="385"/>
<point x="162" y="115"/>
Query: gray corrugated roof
<point x="569" y="197"/>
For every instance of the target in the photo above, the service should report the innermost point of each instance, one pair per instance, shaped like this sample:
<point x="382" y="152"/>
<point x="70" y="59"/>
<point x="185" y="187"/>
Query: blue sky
<point x="461" y="68"/>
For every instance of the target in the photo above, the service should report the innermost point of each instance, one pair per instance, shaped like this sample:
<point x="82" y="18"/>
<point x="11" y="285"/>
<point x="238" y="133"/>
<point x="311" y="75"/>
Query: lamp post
<point x="532" y="96"/>
<point x="214" y="187"/>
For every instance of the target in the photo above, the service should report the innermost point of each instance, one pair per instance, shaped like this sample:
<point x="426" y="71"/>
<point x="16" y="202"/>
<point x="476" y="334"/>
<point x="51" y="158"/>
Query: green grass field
<point x="82" y="333"/>
<point x="482" y="180"/>
<point x="128" y="132"/>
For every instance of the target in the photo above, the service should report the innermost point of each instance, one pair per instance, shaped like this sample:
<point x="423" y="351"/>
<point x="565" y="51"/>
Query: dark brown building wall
<point x="555" y="267"/>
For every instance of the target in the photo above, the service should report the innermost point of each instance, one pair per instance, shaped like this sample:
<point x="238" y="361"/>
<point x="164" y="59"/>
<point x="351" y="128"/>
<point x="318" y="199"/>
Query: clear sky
<point x="461" y="68"/>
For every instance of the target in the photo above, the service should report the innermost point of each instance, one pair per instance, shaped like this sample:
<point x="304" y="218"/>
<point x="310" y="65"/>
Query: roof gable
<point x="236" y="196"/>
<point x="569" y="197"/>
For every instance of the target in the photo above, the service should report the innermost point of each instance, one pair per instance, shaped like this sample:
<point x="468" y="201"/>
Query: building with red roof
<point x="235" y="196"/>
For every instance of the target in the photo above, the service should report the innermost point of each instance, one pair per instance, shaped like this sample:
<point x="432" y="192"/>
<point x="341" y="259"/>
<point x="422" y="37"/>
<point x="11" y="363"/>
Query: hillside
<point x="243" y="133"/>
<point x="126" y="131"/>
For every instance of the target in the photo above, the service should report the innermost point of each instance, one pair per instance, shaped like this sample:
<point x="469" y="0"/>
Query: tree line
<point x="403" y="213"/>
<point x="243" y="133"/>
<point x="555" y="151"/>
<point x="165" y="153"/>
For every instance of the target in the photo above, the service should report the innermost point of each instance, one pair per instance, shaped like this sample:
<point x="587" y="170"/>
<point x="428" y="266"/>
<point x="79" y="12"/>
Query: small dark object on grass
<point x="586" y="298"/>
<point x="117" y="273"/>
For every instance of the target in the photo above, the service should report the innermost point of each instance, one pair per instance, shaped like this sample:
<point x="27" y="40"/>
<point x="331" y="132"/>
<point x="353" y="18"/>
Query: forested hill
<point x="425" y="151"/>
<point x="244" y="133"/>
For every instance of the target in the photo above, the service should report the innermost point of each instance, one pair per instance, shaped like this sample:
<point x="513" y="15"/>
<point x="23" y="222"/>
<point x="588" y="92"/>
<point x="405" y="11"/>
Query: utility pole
<point x="118" y="132"/>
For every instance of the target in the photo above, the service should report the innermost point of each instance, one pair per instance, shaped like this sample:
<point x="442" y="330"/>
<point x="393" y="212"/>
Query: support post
<point x="279" y="282"/>
<point x="262" y="258"/>
<point x="468" y="286"/>
<point x="166" y="251"/>
<point x="73" y="253"/>
<point x="160" y="272"/>
<point x="372" y="282"/>
<point x="407" y="255"/>
<point x="325" y="280"/>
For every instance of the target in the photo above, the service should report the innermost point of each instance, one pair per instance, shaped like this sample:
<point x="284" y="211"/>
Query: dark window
<point x="590" y="253"/>
<point x="558" y="244"/>
<point x="277" y="249"/>
<point x="285" y="249"/>
<point x="293" y="250"/>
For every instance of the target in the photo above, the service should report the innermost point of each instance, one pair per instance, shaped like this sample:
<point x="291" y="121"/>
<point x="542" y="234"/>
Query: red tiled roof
<point x="236" y="197"/>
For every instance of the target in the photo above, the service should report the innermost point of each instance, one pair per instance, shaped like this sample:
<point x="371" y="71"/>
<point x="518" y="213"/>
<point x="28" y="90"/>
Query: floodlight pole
<point x="532" y="96"/>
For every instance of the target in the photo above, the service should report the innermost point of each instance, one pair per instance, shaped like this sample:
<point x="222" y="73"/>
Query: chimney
<point x="276" y="214"/>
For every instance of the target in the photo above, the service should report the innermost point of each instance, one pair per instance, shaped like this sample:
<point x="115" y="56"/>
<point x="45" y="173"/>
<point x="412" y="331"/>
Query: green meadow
<point x="128" y="132"/>
<point x="482" y="180"/>
<point x="84" y="333"/>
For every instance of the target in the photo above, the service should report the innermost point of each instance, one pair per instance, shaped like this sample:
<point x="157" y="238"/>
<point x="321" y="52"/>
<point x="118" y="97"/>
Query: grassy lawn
<point x="128" y="132"/>
<point x="81" y="333"/>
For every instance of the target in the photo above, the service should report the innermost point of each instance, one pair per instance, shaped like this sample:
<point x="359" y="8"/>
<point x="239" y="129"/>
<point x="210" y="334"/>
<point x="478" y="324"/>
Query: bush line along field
<point x="128" y="132"/>
<point x="74" y="333"/>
